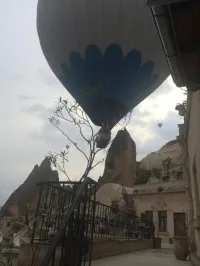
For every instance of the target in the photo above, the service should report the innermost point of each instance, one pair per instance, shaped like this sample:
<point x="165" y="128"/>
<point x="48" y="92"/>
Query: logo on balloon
<point x="94" y="88"/>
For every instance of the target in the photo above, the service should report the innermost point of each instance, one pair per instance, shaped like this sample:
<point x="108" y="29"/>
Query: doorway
<point x="180" y="224"/>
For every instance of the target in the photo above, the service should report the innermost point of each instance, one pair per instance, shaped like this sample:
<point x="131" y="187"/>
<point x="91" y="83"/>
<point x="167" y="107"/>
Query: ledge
<point x="108" y="248"/>
<point x="100" y="249"/>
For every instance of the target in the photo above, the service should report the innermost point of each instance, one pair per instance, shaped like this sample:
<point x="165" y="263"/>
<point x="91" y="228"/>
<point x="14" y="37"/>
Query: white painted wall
<point x="172" y="202"/>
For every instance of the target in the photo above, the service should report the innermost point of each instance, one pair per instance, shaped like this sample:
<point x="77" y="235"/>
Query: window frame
<point x="162" y="221"/>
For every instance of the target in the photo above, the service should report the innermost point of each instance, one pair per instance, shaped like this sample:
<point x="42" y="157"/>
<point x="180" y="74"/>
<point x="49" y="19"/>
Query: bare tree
<point x="69" y="112"/>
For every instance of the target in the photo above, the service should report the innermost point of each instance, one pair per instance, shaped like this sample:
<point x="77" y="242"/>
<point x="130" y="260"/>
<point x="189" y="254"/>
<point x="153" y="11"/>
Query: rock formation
<point x="171" y="149"/>
<point x="152" y="167"/>
<point x="120" y="165"/>
<point x="29" y="190"/>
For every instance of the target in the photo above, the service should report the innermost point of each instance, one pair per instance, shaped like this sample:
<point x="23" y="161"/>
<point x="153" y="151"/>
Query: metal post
<point x="37" y="213"/>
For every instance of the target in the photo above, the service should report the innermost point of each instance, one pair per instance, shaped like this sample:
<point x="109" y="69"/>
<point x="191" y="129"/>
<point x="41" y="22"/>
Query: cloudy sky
<point x="29" y="90"/>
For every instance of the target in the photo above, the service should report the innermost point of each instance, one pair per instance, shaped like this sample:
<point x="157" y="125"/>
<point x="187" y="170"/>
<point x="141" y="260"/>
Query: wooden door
<point x="179" y="224"/>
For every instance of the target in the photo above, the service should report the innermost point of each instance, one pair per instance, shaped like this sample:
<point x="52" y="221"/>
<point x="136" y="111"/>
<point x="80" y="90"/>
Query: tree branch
<point x="70" y="140"/>
<point x="68" y="112"/>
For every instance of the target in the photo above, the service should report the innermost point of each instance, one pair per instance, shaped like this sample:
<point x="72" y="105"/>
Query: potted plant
<point x="181" y="247"/>
<point x="160" y="189"/>
<point x="157" y="242"/>
<point x="180" y="107"/>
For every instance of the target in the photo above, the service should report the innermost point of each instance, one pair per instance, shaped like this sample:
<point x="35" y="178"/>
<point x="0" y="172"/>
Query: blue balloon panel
<point x="108" y="85"/>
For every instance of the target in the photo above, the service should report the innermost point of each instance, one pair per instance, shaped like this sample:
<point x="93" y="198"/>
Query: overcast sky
<point x="29" y="90"/>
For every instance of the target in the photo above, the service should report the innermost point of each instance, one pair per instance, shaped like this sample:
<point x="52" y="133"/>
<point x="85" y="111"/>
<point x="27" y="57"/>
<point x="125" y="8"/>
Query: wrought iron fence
<point x="63" y="222"/>
<point x="68" y="219"/>
<point x="112" y="223"/>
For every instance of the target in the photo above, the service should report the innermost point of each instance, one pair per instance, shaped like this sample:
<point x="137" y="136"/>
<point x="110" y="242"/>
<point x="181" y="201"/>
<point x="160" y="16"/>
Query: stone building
<point x="165" y="204"/>
<point x="192" y="171"/>
<point x="164" y="198"/>
<point x="160" y="193"/>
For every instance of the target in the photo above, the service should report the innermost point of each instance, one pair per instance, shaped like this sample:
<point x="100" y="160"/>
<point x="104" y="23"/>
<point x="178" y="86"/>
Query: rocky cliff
<point x="163" y="165"/>
<point x="155" y="159"/>
<point x="120" y="165"/>
<point x="29" y="189"/>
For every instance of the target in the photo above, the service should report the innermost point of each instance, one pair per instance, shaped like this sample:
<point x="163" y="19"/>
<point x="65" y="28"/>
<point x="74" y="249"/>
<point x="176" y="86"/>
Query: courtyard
<point x="164" y="257"/>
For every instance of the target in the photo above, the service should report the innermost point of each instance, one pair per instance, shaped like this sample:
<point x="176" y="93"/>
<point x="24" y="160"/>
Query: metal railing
<point x="61" y="223"/>
<point x="68" y="219"/>
<point x="112" y="223"/>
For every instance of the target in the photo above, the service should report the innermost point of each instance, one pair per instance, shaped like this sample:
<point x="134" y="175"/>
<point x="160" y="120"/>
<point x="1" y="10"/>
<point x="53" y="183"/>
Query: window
<point x="162" y="221"/>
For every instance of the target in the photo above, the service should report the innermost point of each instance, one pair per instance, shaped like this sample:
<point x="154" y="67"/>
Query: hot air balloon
<point x="160" y="124"/>
<point x="107" y="54"/>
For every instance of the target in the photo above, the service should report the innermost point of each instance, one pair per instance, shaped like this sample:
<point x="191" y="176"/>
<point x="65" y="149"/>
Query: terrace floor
<point x="164" y="257"/>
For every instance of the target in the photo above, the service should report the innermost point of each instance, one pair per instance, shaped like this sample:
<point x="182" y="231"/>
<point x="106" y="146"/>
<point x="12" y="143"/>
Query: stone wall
<point x="109" y="248"/>
<point x="192" y="138"/>
<point x="195" y="260"/>
<point x="100" y="249"/>
<point x="173" y="199"/>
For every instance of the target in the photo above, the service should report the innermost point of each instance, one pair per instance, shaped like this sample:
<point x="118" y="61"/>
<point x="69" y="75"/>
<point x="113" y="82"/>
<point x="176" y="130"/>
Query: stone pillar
<point x="155" y="220"/>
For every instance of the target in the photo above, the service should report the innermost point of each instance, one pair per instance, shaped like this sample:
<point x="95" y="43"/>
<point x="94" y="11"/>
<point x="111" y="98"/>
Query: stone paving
<point x="164" y="257"/>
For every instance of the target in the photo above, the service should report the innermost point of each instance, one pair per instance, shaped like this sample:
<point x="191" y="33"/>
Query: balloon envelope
<point x="107" y="54"/>
<point x="160" y="124"/>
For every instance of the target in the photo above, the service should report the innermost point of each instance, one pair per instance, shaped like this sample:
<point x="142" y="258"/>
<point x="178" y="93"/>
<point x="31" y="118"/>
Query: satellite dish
<point x="1" y="237"/>
<point x="160" y="125"/>
<point x="16" y="240"/>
